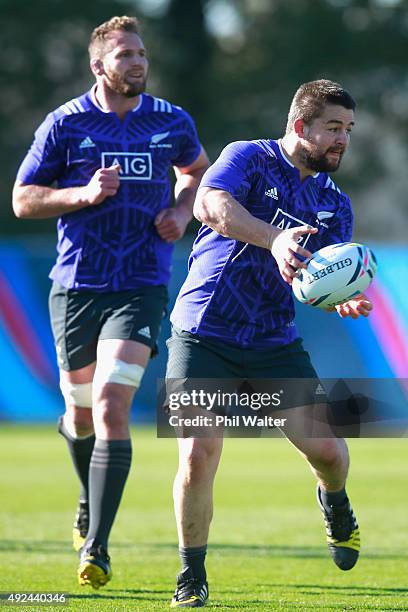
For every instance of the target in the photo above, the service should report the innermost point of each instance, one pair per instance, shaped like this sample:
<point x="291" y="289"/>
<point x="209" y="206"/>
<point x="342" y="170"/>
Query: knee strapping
<point x="118" y="371"/>
<point x="76" y="394"/>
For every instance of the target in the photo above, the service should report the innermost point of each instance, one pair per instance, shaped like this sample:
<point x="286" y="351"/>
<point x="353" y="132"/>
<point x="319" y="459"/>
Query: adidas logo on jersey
<point x="272" y="193"/>
<point x="145" y="331"/>
<point x="156" y="141"/>
<point x="319" y="390"/>
<point x="86" y="143"/>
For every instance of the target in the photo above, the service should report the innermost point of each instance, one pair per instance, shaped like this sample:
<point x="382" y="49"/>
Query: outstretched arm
<point x="223" y="213"/>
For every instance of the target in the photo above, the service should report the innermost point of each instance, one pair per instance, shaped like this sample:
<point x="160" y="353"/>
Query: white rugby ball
<point x="335" y="274"/>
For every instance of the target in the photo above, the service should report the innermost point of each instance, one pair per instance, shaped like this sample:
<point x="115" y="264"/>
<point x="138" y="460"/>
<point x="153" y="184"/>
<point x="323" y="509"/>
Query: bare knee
<point x="200" y="461"/>
<point x="79" y="421"/>
<point x="330" y="454"/>
<point x="111" y="411"/>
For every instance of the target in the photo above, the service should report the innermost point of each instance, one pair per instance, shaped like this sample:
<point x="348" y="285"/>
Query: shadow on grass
<point x="251" y="550"/>
<point x="124" y="595"/>
<point x="160" y="596"/>
<point x="50" y="546"/>
<point x="271" y="550"/>
<point x="256" y="604"/>
<point x="276" y="590"/>
<point x="318" y="589"/>
<point x="355" y="590"/>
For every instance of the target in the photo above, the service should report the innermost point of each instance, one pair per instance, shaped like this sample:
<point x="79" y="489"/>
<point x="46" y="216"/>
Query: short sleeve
<point x="45" y="159"/>
<point x="234" y="169"/>
<point x="189" y="146"/>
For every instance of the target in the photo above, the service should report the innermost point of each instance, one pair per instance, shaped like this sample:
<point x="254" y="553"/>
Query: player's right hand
<point x="285" y="247"/>
<point x="104" y="183"/>
<point x="360" y="305"/>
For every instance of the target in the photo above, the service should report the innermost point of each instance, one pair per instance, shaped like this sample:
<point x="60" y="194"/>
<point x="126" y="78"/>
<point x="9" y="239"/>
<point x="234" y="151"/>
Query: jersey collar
<point x="103" y="110"/>
<point x="285" y="159"/>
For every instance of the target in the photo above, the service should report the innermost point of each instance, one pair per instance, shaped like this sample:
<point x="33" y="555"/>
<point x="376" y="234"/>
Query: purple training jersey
<point x="234" y="291"/>
<point x="112" y="246"/>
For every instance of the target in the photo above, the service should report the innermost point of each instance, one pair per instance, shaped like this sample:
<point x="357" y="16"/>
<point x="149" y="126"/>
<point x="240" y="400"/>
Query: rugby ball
<point x="335" y="274"/>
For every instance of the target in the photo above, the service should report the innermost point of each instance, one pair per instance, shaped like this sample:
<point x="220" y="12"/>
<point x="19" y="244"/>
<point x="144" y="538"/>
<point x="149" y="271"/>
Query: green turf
<point x="267" y="546"/>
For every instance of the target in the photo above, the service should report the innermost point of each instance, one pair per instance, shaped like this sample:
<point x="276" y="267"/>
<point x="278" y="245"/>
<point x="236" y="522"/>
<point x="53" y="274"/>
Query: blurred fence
<point x="369" y="348"/>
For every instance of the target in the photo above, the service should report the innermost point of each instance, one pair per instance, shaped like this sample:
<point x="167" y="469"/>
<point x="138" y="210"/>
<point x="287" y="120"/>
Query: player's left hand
<point x="171" y="223"/>
<point x="358" y="306"/>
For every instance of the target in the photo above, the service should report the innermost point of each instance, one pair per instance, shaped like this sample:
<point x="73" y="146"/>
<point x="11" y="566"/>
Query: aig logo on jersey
<point x="283" y="220"/>
<point x="134" y="166"/>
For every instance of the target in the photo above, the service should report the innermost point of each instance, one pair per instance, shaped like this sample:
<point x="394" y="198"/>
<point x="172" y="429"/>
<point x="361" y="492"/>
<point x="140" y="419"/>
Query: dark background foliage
<point x="234" y="65"/>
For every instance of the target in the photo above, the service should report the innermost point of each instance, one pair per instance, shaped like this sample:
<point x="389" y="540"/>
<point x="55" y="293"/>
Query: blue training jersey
<point x="234" y="291"/>
<point x="112" y="246"/>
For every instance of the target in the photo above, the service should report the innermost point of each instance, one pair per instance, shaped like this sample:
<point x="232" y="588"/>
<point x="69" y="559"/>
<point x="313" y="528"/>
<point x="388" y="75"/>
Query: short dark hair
<point x="311" y="98"/>
<point x="100" y="35"/>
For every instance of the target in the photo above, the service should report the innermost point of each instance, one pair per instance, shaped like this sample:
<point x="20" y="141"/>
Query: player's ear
<point x="300" y="128"/>
<point x="97" y="66"/>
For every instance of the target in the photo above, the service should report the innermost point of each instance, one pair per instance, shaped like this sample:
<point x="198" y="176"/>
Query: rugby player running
<point x="109" y="152"/>
<point x="234" y="316"/>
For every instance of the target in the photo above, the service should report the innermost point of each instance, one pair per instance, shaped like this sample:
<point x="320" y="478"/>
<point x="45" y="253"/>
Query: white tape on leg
<point x="76" y="394"/>
<point x="118" y="371"/>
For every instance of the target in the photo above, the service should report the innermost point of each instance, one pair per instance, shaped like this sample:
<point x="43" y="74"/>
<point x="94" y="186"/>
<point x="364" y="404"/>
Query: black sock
<point x="333" y="499"/>
<point x="110" y="465"/>
<point x="192" y="560"/>
<point x="81" y="452"/>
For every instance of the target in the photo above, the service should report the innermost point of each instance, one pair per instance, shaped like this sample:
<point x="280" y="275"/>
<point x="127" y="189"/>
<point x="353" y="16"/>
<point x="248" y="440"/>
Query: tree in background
<point x="233" y="64"/>
<point x="45" y="62"/>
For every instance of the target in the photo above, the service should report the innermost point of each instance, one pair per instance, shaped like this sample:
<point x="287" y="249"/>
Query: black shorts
<point x="200" y="368"/>
<point x="79" y="319"/>
<point x="192" y="356"/>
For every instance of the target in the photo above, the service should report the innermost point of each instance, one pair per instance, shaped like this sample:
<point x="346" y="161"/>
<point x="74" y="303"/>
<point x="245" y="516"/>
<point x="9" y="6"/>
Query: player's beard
<point x="318" y="161"/>
<point x="118" y="84"/>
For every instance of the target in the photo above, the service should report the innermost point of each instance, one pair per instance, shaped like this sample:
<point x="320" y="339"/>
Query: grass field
<point x="267" y="545"/>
